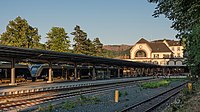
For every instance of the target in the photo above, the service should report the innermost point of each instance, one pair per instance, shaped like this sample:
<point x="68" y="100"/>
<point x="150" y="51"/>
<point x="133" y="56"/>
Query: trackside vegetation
<point x="187" y="101"/>
<point x="70" y="104"/>
<point x="156" y="84"/>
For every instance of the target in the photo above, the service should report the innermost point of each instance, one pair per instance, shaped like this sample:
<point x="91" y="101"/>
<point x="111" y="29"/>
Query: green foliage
<point x="40" y="109"/>
<point x="185" y="16"/>
<point x="98" y="47"/>
<point x="95" y="100"/>
<point x="58" y="40"/>
<point x="185" y="91"/>
<point x="156" y="84"/>
<point x="120" y="93"/>
<point x="84" y="45"/>
<point x="81" y="41"/>
<point x="88" y="100"/>
<point x="50" y="107"/>
<point x="20" y="34"/>
<point x="83" y="98"/>
<point x="184" y="13"/>
<point x="69" y="105"/>
<point x="193" y="50"/>
<point x="125" y="93"/>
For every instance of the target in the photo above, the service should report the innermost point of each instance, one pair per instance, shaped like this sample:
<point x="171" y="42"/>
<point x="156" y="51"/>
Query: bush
<point x="88" y="100"/>
<point x="120" y="93"/>
<point x="50" y="107"/>
<point x="69" y="105"/>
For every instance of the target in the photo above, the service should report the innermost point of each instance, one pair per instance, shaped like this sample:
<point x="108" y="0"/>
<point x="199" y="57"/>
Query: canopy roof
<point x="43" y="56"/>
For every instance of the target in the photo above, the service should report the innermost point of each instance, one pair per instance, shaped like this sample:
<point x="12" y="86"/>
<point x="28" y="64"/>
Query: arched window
<point x="171" y="63"/>
<point x="179" y="63"/>
<point x="140" y="53"/>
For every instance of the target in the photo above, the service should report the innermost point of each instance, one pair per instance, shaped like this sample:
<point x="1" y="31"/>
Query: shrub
<point x="156" y="84"/>
<point x="50" y="107"/>
<point x="120" y="93"/>
<point x="69" y="105"/>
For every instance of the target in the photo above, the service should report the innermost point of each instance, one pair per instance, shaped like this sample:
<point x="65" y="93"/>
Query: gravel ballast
<point x="129" y="95"/>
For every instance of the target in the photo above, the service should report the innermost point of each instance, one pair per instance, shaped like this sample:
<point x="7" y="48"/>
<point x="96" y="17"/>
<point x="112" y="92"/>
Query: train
<point x="22" y="73"/>
<point x="39" y="72"/>
<point x="66" y="72"/>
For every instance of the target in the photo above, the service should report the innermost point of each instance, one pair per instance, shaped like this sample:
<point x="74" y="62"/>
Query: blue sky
<point x="113" y="21"/>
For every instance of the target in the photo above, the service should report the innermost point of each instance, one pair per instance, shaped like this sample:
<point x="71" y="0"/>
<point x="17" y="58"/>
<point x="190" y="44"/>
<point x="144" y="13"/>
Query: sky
<point x="113" y="21"/>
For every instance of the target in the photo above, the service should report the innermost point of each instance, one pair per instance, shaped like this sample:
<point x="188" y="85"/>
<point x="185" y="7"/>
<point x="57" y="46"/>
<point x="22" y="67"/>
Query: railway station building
<point x="167" y="53"/>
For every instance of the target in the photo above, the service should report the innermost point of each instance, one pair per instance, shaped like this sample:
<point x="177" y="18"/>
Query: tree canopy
<point x="183" y="13"/>
<point x="58" y="40"/>
<point x="98" y="47"/>
<point x="20" y="34"/>
<point x="82" y="43"/>
<point x="185" y="18"/>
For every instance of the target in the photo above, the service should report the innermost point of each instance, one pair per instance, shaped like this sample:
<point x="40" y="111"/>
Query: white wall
<point x="138" y="47"/>
<point x="175" y="51"/>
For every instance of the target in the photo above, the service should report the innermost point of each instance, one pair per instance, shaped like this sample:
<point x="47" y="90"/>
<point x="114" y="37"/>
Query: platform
<point x="43" y="86"/>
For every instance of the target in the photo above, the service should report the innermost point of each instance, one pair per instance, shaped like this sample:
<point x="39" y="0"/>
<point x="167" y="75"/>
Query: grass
<point x="156" y="84"/>
<point x="88" y="100"/>
<point x="70" y="104"/>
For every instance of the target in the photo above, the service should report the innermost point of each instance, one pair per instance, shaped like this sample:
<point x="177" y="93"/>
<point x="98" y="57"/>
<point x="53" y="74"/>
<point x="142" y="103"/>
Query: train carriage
<point x="22" y="73"/>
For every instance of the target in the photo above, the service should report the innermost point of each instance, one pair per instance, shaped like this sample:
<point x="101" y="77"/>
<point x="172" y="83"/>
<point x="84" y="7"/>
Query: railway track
<point x="13" y="94"/>
<point x="26" y="103"/>
<point x="155" y="101"/>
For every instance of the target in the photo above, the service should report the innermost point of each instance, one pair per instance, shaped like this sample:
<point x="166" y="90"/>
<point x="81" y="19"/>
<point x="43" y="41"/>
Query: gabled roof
<point x="159" y="47"/>
<point x="170" y="42"/>
<point x="142" y="40"/>
<point x="173" y="43"/>
<point x="156" y="46"/>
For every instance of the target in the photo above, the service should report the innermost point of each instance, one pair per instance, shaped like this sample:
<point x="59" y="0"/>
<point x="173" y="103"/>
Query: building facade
<point x="167" y="53"/>
<point x="161" y="52"/>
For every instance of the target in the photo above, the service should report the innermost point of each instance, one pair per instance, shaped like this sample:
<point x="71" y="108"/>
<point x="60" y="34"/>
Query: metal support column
<point x="75" y="72"/>
<point x="66" y="74"/>
<point x="50" y="78"/>
<point x="12" y="80"/>
<point x="93" y="73"/>
<point x="163" y="71"/>
<point x="107" y="72"/>
<point x="118" y="72"/>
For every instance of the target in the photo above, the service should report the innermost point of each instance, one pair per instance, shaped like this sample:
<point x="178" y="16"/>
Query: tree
<point x="90" y="49"/>
<point x="186" y="20"/>
<point x="193" y="47"/>
<point x="98" y="47"/>
<point x="184" y="14"/>
<point x="20" y="34"/>
<point x="80" y="39"/>
<point x="58" y="40"/>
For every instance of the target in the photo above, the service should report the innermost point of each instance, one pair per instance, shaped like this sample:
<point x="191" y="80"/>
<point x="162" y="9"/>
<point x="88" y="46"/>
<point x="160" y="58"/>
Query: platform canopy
<point x="42" y="56"/>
